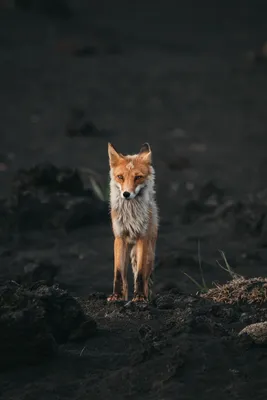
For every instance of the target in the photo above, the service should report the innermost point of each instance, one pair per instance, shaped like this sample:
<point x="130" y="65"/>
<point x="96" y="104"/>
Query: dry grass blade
<point x="200" y="266"/>
<point x="226" y="262"/>
<point x="100" y="190"/>
<point x="227" y="267"/>
<point x="82" y="351"/>
<point x="97" y="189"/>
<point x="201" y="288"/>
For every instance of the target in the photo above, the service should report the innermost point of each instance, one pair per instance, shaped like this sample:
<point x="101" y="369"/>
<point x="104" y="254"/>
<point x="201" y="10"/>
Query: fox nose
<point x="126" y="195"/>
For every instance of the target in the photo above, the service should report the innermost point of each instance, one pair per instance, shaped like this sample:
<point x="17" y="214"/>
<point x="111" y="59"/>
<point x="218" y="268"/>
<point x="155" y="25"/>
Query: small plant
<point x="202" y="289"/>
<point x="202" y="286"/>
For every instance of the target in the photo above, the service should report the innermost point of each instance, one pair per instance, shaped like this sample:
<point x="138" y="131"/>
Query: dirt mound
<point x="34" y="321"/>
<point x="51" y="198"/>
<point x="240" y="290"/>
<point x="245" y="216"/>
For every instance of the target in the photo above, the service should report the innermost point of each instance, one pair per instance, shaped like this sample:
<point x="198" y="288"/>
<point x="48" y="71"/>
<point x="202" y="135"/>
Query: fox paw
<point x="115" y="297"/>
<point x="139" y="298"/>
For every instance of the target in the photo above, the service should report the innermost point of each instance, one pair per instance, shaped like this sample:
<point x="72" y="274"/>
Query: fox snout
<point x="126" y="195"/>
<point x="131" y="194"/>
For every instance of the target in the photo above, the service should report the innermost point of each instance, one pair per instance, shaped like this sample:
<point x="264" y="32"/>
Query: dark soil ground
<point x="191" y="79"/>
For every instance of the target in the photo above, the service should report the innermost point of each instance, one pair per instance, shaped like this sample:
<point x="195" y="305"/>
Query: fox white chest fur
<point x="132" y="217"/>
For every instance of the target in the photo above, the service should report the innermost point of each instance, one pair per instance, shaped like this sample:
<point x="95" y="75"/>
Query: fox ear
<point x="114" y="156"/>
<point x="145" y="153"/>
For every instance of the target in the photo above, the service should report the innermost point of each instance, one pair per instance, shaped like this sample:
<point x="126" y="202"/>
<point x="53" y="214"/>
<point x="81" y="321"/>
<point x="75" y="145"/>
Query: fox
<point x="134" y="220"/>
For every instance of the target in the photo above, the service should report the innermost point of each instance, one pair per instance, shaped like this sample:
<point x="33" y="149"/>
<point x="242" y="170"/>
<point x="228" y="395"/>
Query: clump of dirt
<point x="246" y="216"/>
<point x="49" y="179"/>
<point x="240" y="290"/>
<point x="35" y="320"/>
<point x="47" y="197"/>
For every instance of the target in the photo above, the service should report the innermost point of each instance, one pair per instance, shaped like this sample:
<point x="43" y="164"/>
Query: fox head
<point x="130" y="173"/>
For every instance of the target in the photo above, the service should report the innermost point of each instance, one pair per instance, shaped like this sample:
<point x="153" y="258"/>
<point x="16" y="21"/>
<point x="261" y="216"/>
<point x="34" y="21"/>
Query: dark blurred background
<point x="188" y="77"/>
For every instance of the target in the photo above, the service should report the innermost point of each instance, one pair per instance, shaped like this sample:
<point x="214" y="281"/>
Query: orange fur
<point x="134" y="221"/>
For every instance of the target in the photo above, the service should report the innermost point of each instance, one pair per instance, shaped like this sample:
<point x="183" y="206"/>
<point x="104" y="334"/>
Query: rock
<point x="257" y="332"/>
<point x="33" y="321"/>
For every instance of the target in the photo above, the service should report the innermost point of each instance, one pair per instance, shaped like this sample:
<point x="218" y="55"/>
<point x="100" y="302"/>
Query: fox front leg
<point x="120" y="283"/>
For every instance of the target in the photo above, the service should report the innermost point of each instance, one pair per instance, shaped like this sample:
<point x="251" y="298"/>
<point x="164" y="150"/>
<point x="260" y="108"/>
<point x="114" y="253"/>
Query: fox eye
<point x="138" y="177"/>
<point x="120" y="177"/>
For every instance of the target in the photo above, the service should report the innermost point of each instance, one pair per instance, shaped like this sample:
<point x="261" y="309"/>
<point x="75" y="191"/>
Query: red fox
<point x="134" y="216"/>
